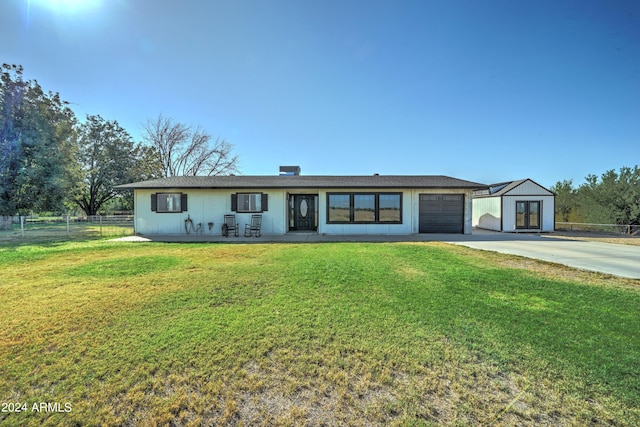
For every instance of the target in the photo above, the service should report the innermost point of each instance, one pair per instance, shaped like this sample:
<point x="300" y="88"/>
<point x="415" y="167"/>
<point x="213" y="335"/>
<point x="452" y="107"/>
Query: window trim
<point x="352" y="207"/>
<point x="329" y="208"/>
<point x="261" y="197"/>
<point x="155" y="205"/>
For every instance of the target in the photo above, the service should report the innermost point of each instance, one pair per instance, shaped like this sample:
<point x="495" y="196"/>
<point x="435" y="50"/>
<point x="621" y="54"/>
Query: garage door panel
<point x="441" y="213"/>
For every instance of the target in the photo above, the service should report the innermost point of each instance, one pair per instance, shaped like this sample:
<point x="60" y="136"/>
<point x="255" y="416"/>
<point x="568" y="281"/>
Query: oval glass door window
<point x="304" y="208"/>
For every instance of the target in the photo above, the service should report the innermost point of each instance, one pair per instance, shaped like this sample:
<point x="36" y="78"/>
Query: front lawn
<point x="108" y="333"/>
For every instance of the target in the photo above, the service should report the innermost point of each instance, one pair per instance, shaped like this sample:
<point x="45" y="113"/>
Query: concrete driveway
<point x="619" y="260"/>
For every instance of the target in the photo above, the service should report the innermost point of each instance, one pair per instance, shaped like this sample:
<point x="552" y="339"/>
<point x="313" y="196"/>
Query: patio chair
<point x="254" y="227"/>
<point x="229" y="225"/>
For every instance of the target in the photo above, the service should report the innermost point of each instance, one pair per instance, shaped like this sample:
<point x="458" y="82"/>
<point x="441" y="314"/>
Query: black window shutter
<point x="183" y="202"/>
<point x="154" y="202"/>
<point x="265" y="202"/>
<point x="234" y="202"/>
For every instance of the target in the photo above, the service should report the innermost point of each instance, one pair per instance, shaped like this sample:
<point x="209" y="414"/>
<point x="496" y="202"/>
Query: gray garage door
<point x="441" y="213"/>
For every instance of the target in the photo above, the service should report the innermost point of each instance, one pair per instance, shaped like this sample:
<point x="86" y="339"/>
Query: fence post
<point x="22" y="225"/>
<point x="68" y="233"/>
<point x="101" y="226"/>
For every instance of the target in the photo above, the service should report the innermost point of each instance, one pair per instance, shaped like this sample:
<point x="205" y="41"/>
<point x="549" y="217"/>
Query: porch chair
<point x="229" y="225"/>
<point x="254" y="227"/>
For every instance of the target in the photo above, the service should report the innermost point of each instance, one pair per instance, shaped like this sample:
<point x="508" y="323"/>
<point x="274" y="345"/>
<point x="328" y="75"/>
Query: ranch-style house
<point x="294" y="203"/>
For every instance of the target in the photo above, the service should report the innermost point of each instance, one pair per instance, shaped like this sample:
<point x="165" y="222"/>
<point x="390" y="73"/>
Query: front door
<point x="302" y="212"/>
<point x="528" y="215"/>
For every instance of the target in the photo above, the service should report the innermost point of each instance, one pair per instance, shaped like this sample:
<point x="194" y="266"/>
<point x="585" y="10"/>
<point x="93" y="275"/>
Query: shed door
<point x="441" y="213"/>
<point x="528" y="215"/>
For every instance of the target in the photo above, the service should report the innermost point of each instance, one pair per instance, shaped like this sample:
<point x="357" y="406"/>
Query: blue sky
<point x="487" y="91"/>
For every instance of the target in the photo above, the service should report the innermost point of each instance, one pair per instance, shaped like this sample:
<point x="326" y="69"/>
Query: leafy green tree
<point x="37" y="133"/>
<point x="613" y="198"/>
<point x="147" y="165"/>
<point x="107" y="157"/>
<point x="566" y="199"/>
<point x="12" y="92"/>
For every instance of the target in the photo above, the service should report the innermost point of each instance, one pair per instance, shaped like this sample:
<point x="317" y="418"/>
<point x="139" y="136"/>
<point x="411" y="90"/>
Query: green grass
<point x="316" y="334"/>
<point x="36" y="232"/>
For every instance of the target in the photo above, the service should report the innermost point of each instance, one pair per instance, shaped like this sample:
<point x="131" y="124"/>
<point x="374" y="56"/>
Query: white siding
<point x="404" y="228"/>
<point x="499" y="212"/>
<point x="410" y="206"/>
<point x="487" y="213"/>
<point x="205" y="206"/>
<point x="548" y="213"/>
<point x="210" y="205"/>
<point x="528" y="188"/>
<point x="509" y="211"/>
<point x="528" y="191"/>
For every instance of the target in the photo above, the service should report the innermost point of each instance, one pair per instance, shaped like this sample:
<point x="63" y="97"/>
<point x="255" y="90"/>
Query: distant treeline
<point x="612" y="198"/>
<point x="50" y="161"/>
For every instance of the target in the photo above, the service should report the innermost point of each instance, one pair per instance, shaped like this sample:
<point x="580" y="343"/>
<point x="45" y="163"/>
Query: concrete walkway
<point x="619" y="260"/>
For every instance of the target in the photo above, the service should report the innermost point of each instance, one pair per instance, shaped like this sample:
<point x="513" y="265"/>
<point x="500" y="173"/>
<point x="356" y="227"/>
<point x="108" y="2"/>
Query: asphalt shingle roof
<point x="304" y="181"/>
<point x="502" y="188"/>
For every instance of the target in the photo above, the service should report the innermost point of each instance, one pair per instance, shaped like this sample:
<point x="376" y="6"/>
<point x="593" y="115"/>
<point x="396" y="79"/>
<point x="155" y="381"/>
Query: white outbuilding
<point x="514" y="206"/>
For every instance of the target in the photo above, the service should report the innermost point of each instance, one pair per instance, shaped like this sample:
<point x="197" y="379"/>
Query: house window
<point x="339" y="208"/>
<point x="249" y="202"/>
<point x="389" y="208"/>
<point x="364" y="208"/>
<point x="168" y="202"/>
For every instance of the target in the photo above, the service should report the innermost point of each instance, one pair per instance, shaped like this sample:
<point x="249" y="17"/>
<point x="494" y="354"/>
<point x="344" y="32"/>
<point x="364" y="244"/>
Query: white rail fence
<point x="66" y="226"/>
<point x="629" y="229"/>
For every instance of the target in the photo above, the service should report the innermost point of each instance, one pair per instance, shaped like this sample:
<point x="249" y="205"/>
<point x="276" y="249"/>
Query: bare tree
<point x="185" y="151"/>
